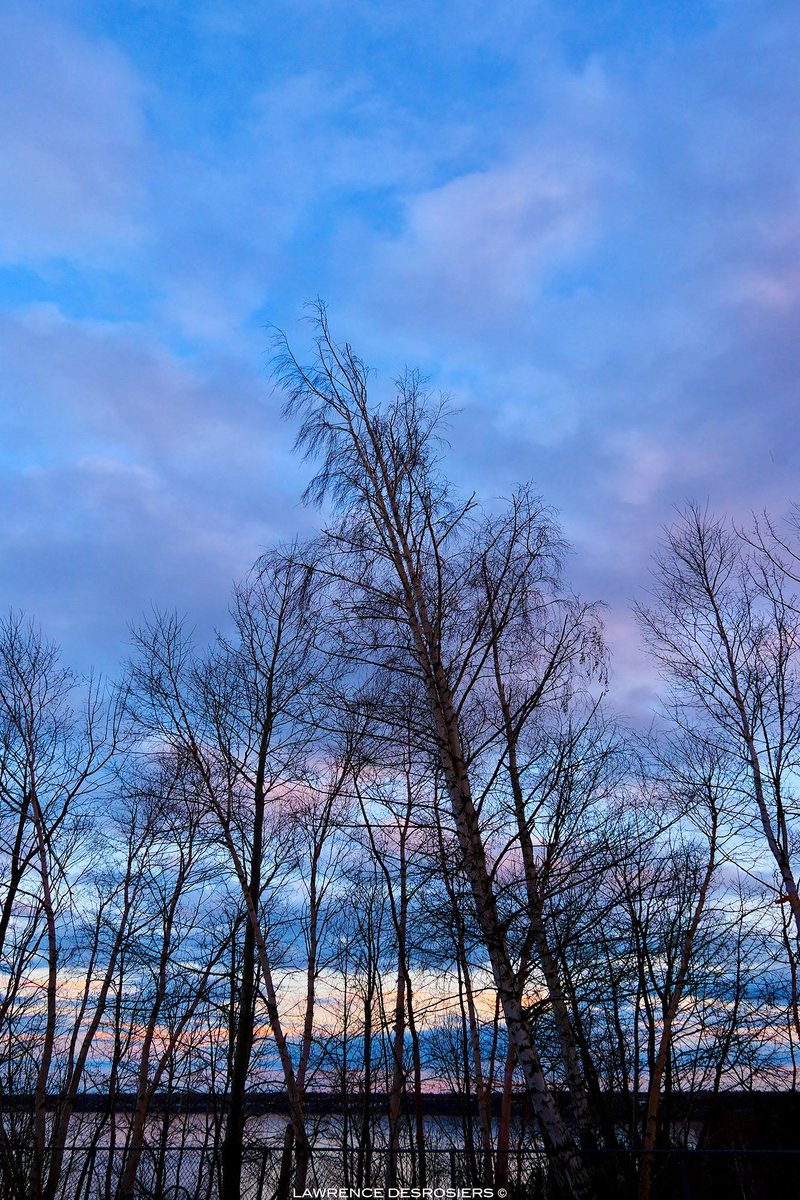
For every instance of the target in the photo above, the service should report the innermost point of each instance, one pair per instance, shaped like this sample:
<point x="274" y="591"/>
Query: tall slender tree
<point x="404" y="549"/>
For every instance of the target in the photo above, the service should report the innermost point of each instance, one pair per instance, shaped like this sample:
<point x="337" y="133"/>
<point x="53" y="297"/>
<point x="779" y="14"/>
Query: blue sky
<point x="581" y="219"/>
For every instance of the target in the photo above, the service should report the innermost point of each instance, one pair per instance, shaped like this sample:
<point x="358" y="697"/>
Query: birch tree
<point x="401" y="549"/>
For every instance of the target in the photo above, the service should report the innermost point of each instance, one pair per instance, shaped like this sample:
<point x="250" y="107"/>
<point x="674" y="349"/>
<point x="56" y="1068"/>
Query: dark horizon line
<point x="444" y="1103"/>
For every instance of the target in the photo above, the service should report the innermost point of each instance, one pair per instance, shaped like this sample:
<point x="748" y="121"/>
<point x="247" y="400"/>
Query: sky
<point x="579" y="219"/>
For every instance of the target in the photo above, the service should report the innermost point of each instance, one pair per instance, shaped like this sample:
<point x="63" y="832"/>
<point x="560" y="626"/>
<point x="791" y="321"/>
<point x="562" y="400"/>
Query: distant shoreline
<point x="742" y="1103"/>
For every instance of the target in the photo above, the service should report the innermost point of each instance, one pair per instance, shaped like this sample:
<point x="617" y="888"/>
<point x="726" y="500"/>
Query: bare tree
<point x="669" y="895"/>
<point x="728" y="636"/>
<point x="402" y="549"/>
<point x="172" y="981"/>
<point x="54" y="759"/>
<point x="247" y="719"/>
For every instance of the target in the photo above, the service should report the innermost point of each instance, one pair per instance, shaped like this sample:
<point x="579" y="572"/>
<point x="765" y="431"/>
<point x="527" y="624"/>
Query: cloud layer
<point x="584" y="225"/>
